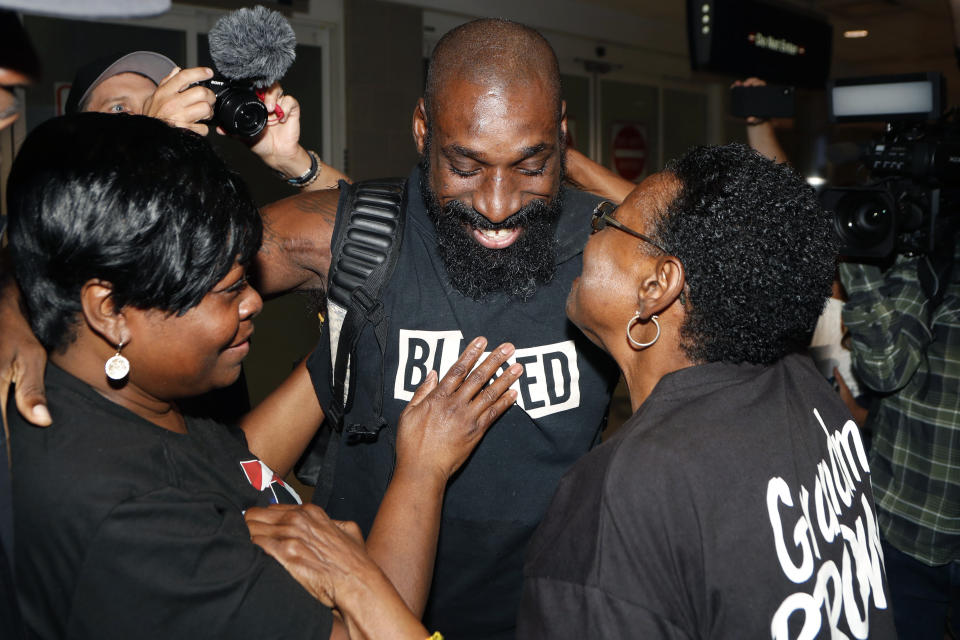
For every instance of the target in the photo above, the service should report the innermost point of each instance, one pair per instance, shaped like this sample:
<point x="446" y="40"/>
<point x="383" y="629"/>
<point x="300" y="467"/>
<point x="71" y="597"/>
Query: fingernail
<point x="515" y="369"/>
<point x="41" y="414"/>
<point x="478" y="342"/>
<point x="506" y="349"/>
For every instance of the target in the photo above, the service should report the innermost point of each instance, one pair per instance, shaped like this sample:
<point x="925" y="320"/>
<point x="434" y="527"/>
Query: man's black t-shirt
<point x="127" y="530"/>
<point x="735" y="503"/>
<point x="496" y="500"/>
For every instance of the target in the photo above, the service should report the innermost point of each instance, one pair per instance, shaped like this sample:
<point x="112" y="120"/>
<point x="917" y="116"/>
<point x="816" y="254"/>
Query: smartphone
<point x="770" y="101"/>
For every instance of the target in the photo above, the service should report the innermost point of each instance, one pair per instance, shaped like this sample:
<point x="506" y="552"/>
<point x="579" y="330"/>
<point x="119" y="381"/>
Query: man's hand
<point x="278" y="145"/>
<point x="751" y="82"/>
<point x="444" y="421"/>
<point x="761" y="135"/>
<point x="181" y="104"/>
<point x="22" y="361"/>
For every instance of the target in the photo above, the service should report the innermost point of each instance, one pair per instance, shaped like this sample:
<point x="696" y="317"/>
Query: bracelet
<point x="309" y="176"/>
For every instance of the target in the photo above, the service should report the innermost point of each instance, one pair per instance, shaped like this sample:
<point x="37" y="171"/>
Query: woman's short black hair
<point x="127" y="199"/>
<point x="758" y="251"/>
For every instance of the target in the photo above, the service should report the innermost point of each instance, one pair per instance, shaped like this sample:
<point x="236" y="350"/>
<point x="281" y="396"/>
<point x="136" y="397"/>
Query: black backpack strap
<point x="364" y="248"/>
<point x="365" y="251"/>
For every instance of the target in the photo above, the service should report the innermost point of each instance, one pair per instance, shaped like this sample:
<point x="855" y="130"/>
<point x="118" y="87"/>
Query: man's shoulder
<point x="573" y="194"/>
<point x="577" y="206"/>
<point x="573" y="228"/>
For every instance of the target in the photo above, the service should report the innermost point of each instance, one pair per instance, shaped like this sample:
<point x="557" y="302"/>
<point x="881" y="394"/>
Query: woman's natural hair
<point x="129" y="200"/>
<point x="758" y="251"/>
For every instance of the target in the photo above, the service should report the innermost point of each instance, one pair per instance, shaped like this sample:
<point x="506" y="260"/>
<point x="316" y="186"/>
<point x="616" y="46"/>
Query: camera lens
<point x="250" y="117"/>
<point x="863" y="219"/>
<point x="240" y="112"/>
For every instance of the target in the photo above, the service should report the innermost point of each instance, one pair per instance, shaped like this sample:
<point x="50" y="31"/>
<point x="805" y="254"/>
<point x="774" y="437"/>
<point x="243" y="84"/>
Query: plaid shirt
<point x="910" y="354"/>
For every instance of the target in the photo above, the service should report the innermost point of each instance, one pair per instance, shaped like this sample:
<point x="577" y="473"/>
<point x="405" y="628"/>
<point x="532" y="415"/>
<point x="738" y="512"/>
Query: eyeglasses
<point x="602" y="217"/>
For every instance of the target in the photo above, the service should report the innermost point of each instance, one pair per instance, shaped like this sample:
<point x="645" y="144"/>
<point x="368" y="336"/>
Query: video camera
<point x="911" y="203"/>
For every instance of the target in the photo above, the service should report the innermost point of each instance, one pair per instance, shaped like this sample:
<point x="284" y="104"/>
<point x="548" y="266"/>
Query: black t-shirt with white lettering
<point x="735" y="503"/>
<point x="127" y="530"/>
<point x="496" y="500"/>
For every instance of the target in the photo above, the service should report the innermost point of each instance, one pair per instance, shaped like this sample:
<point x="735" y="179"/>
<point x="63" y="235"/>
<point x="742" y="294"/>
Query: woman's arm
<point x="279" y="429"/>
<point x="587" y="175"/>
<point x="437" y="432"/>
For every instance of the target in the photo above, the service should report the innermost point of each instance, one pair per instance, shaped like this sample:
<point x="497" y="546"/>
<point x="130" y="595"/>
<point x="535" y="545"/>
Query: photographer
<point x="148" y="83"/>
<point x="906" y="348"/>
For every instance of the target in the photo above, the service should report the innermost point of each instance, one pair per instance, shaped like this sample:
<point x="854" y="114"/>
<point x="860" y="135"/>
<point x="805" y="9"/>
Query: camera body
<point x="910" y="206"/>
<point x="238" y="110"/>
<point x="924" y="152"/>
<point x="895" y="216"/>
<point x="912" y="197"/>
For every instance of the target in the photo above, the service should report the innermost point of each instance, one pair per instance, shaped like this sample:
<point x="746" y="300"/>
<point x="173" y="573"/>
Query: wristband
<point x="307" y="177"/>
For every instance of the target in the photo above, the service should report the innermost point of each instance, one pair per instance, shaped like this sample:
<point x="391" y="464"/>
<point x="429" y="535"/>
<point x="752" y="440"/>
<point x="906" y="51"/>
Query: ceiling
<point x="904" y="35"/>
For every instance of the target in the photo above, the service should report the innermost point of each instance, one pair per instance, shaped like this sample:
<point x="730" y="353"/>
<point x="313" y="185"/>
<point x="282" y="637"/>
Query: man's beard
<point x="476" y="271"/>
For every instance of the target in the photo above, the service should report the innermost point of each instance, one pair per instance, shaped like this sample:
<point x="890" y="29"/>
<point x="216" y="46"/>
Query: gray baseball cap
<point x="149" y="64"/>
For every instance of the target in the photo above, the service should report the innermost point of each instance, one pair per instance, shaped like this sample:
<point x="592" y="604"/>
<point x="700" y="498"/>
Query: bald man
<point x="491" y="244"/>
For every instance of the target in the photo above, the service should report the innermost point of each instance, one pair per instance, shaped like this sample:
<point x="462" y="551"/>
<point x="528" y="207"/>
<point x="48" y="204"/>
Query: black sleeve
<point x="176" y="565"/>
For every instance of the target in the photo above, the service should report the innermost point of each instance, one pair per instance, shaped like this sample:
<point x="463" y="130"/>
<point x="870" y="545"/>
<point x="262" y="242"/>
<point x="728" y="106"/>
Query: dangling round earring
<point x="642" y="345"/>
<point x="117" y="367"/>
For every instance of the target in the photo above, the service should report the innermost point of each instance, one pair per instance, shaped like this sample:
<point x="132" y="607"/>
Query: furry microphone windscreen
<point x="253" y="44"/>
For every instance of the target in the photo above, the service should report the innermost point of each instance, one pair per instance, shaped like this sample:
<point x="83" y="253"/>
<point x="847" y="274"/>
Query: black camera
<point x="889" y="217"/>
<point x="911" y="203"/>
<point x="769" y="101"/>
<point x="237" y="110"/>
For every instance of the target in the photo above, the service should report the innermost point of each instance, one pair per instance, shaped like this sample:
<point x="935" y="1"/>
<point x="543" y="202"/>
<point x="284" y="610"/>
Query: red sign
<point x="629" y="150"/>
